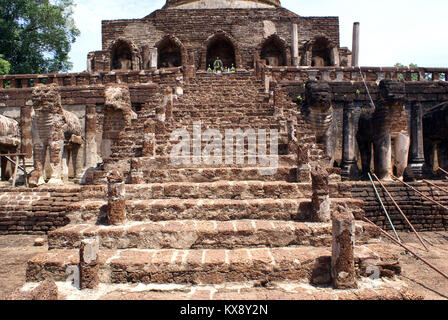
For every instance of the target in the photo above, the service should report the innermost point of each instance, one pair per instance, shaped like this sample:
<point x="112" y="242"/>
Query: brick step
<point x="216" y="174"/>
<point x="223" y="109"/>
<point x="135" y="150"/>
<point x="203" y="209"/>
<point x="204" y="87"/>
<point x="192" y="234"/>
<point x="207" y="81"/>
<point x="282" y="136"/>
<point x="221" y="88"/>
<point x="222" y="99"/>
<point x="223" y="126"/>
<point x="130" y="135"/>
<point x="222" y="96"/>
<point x="165" y="189"/>
<point x="237" y="190"/>
<point x="288" y="290"/>
<point x="163" y="162"/>
<point x="196" y="266"/>
<point x="199" y="266"/>
<point x="165" y="142"/>
<point x="250" y="115"/>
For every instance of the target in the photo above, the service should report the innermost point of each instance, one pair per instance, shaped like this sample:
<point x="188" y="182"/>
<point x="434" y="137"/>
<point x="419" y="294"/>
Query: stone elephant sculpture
<point x="9" y="142"/>
<point x="319" y="113"/>
<point x="9" y="131"/>
<point x="56" y="130"/>
<point x="386" y="129"/>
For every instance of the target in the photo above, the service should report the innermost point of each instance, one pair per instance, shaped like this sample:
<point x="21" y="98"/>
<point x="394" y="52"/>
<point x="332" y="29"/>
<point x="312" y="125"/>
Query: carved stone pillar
<point x="414" y="171"/>
<point x="320" y="203"/>
<point x="91" y="150"/>
<point x="278" y="102"/>
<point x="116" y="206"/>
<point x="342" y="258"/>
<point x="295" y="45"/>
<point x="153" y="56"/>
<point x="149" y="139"/>
<point x="303" y="163"/>
<point x="349" y="165"/>
<point x="355" y="45"/>
<point x="88" y="264"/>
<point x="26" y="131"/>
<point x="190" y="68"/>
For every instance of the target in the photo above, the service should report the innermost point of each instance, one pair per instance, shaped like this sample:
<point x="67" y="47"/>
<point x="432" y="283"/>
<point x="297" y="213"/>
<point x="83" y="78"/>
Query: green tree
<point x="5" y="66"/>
<point x="36" y="35"/>
<point x="414" y="76"/>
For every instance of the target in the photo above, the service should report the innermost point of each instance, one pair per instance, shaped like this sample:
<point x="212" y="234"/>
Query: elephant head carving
<point x="318" y="112"/>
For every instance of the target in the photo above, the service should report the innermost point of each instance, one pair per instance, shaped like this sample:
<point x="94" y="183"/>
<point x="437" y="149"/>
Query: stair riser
<point x="204" y="235"/>
<point x="160" y="176"/>
<point x="173" y="266"/>
<point x="220" y="210"/>
<point x="240" y="191"/>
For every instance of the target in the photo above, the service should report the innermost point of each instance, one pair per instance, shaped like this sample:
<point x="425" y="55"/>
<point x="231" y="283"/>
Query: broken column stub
<point x="88" y="264"/>
<point x="342" y="258"/>
<point x="149" y="139"/>
<point x="320" y="203"/>
<point x="116" y="207"/>
<point x="303" y="163"/>
<point x="136" y="175"/>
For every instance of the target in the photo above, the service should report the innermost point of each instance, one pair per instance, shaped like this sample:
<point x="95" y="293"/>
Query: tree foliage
<point x="414" y="76"/>
<point x="36" y="35"/>
<point x="5" y="66"/>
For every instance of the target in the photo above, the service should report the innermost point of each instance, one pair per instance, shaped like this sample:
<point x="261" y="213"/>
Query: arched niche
<point x="121" y="57"/>
<point x="170" y="53"/>
<point x="274" y="50"/>
<point x="322" y="51"/>
<point x="221" y="45"/>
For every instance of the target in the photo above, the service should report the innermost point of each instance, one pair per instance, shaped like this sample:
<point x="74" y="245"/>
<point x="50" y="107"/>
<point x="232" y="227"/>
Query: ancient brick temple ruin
<point x="91" y="153"/>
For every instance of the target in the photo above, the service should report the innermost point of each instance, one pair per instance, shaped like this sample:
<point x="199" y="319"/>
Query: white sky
<point x="405" y="31"/>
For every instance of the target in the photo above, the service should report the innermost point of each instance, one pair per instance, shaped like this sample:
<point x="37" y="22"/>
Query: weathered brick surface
<point x="35" y="211"/>
<point x="204" y="234"/>
<point x="423" y="214"/>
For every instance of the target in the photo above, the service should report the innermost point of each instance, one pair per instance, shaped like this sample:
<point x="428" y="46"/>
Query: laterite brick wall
<point x="422" y="213"/>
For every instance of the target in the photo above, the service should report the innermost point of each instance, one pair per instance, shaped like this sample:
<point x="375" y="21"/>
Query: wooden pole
<point x="436" y="186"/>
<point x="406" y="248"/>
<point x="401" y="212"/>
<point x="424" y="196"/>
<point x="384" y="208"/>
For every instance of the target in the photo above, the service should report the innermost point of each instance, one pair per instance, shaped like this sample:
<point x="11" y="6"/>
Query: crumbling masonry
<point x="99" y="148"/>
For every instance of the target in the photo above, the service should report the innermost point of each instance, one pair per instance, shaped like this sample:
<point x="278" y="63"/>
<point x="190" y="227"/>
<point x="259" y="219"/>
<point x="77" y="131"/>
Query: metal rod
<point x="14" y="163"/>
<point x="384" y="208"/>
<point x="15" y="173"/>
<point x="15" y="154"/>
<point x="401" y="212"/>
<point x="445" y="172"/>
<point x="406" y="248"/>
<point x="436" y="186"/>
<point x="424" y="196"/>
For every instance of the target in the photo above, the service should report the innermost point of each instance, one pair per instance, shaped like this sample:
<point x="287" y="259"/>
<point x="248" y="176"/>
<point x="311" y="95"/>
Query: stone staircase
<point x="205" y="224"/>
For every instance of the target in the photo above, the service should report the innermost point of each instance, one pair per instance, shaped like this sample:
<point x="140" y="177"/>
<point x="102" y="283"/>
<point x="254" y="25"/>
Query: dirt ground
<point x="15" y="250"/>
